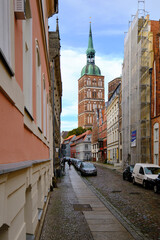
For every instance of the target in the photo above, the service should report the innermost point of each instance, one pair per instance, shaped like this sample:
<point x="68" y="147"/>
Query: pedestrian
<point x="69" y="163"/>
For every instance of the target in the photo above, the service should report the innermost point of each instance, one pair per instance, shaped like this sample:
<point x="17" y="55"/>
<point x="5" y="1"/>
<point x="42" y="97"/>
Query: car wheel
<point x="133" y="181"/>
<point x="124" y="178"/>
<point x="155" y="189"/>
<point x="145" y="184"/>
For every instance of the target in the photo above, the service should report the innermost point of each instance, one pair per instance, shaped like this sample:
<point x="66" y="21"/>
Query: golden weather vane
<point x="90" y="19"/>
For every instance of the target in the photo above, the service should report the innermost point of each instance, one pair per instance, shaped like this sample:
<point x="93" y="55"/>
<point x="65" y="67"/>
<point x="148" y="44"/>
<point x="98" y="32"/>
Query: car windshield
<point x="152" y="170"/>
<point x="88" y="165"/>
<point x="131" y="167"/>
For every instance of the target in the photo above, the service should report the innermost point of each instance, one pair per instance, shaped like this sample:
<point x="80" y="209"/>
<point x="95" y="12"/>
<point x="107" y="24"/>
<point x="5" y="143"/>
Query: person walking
<point x="69" y="163"/>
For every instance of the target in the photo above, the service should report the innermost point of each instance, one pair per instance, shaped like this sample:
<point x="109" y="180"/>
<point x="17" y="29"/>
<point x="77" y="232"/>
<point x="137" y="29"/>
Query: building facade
<point x="155" y="100"/>
<point x="90" y="88"/>
<point x="94" y="145"/>
<point x="56" y="92"/>
<point x="83" y="146"/>
<point x="102" y="135"/>
<point x="139" y="89"/>
<point x="113" y="127"/>
<point x="26" y="162"/>
<point x="112" y="85"/>
<point x="67" y="145"/>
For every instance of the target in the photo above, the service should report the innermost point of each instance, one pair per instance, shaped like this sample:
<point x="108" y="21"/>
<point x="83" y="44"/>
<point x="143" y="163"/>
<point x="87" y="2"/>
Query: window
<point x="27" y="64"/>
<point x="141" y="171"/>
<point x="94" y="94"/>
<point x="44" y="106"/>
<point x="156" y="143"/>
<point x="38" y="90"/>
<point x="5" y="29"/>
<point x="100" y="83"/>
<point x="89" y="93"/>
<point x="88" y="82"/>
<point x="86" y="146"/>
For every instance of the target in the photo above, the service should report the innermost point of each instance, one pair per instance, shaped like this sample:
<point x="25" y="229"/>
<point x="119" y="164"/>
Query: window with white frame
<point x="156" y="143"/>
<point x="88" y="82"/>
<point x="38" y="87"/>
<point x="27" y="64"/>
<point x="89" y="93"/>
<point x="47" y="117"/>
<point x="5" y="44"/>
<point x="100" y="83"/>
<point x="44" y="106"/>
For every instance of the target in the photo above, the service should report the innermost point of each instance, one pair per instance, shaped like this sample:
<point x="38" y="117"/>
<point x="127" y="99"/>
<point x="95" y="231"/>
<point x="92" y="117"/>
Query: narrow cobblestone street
<point x="140" y="206"/>
<point x="76" y="211"/>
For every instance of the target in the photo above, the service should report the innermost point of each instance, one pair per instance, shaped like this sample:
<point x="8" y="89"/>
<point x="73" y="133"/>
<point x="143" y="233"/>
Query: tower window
<point x="93" y="94"/>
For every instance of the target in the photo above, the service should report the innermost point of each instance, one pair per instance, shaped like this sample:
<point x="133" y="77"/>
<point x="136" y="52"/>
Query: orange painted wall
<point x="18" y="143"/>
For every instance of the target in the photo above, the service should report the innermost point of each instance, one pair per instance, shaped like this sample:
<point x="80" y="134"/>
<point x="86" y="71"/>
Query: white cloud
<point x="68" y="125"/>
<point x="70" y="110"/>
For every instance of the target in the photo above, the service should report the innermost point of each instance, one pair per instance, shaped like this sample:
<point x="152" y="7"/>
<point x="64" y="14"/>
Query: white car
<point x="145" y="174"/>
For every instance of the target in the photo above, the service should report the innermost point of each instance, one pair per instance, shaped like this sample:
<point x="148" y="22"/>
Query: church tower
<point x="90" y="88"/>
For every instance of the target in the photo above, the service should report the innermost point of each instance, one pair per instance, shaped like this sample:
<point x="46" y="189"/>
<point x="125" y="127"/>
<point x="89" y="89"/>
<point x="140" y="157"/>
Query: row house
<point x="26" y="123"/>
<point x="66" y="145"/>
<point x="102" y="135"/>
<point x="113" y="127"/>
<point x="82" y="146"/>
<point x="140" y="92"/>
<point x="94" y="145"/>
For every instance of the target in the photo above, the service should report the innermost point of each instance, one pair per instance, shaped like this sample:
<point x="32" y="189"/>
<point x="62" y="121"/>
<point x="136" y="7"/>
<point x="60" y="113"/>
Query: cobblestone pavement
<point x="140" y="206"/>
<point x="62" y="222"/>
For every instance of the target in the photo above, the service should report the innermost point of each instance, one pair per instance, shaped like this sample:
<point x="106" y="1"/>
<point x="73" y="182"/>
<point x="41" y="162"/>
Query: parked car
<point x="145" y="174"/>
<point x="78" y="164"/>
<point x="157" y="184"/>
<point x="127" y="173"/>
<point x="87" y="168"/>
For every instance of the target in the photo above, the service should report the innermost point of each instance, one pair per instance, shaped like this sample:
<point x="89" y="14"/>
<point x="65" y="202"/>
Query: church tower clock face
<point x="90" y="88"/>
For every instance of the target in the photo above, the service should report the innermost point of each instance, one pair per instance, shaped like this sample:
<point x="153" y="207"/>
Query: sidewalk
<point x="76" y="213"/>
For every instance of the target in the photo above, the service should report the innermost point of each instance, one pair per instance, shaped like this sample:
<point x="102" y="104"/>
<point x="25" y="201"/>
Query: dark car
<point x="78" y="164"/>
<point x="127" y="173"/>
<point x="157" y="184"/>
<point x="87" y="168"/>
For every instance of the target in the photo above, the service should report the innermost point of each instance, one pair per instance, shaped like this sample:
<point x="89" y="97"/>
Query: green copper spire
<point x="90" y="51"/>
<point x="90" y="68"/>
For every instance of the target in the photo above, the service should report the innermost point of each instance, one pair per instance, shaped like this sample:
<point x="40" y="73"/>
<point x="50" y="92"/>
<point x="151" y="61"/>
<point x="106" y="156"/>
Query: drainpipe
<point x="118" y="125"/>
<point x="150" y="72"/>
<point x="53" y="124"/>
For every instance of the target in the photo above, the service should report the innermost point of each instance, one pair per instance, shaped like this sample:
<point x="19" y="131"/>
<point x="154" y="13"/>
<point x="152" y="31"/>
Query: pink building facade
<point x="26" y="144"/>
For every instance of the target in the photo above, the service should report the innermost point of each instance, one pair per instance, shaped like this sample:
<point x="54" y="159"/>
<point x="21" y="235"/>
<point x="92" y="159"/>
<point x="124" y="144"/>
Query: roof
<point x="88" y="132"/>
<point x="90" y="68"/>
<point x="68" y="139"/>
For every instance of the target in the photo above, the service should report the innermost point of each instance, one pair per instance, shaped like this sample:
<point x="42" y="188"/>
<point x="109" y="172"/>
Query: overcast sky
<point x="110" y="20"/>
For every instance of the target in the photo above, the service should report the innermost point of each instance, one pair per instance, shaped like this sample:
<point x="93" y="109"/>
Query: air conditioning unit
<point x="19" y="9"/>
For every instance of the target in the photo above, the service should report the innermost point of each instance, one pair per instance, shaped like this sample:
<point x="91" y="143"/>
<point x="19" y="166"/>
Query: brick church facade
<point x="90" y="88"/>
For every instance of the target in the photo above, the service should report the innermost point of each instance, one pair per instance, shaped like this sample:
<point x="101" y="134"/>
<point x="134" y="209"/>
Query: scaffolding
<point x="136" y="91"/>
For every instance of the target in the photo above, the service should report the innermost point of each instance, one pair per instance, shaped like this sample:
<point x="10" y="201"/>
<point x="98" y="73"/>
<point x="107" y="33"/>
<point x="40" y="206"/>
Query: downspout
<point x="118" y="127"/>
<point x="53" y="124"/>
<point x="150" y="72"/>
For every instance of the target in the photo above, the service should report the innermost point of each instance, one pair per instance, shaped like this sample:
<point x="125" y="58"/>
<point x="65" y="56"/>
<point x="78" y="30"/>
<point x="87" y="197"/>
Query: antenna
<point x="141" y="8"/>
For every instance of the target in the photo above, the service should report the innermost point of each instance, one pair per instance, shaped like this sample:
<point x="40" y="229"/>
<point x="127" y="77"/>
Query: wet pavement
<point x="141" y="207"/>
<point x="76" y="212"/>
